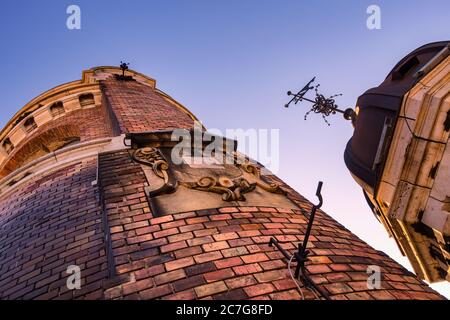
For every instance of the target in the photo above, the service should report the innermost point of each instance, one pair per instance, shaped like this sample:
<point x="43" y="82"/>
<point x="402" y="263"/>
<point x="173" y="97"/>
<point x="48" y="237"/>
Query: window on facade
<point x="57" y="109"/>
<point x="87" y="100"/>
<point x="7" y="145"/>
<point x="30" y="124"/>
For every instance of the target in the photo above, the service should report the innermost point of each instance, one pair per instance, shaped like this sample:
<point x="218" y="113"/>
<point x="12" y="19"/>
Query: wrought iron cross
<point x="321" y="104"/>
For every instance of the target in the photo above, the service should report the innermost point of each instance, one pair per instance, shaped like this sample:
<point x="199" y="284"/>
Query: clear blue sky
<point x="231" y="62"/>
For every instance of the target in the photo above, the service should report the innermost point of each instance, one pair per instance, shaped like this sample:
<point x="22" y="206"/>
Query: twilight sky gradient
<point x="231" y="63"/>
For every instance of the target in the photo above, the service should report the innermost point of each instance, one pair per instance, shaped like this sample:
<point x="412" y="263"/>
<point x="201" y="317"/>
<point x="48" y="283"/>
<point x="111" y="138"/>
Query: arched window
<point x="7" y="145"/>
<point x="38" y="146"/>
<point x="30" y="124"/>
<point x="87" y="100"/>
<point x="57" y="109"/>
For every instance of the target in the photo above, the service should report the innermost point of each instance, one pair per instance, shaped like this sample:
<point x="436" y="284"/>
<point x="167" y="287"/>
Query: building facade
<point x="87" y="179"/>
<point x="399" y="154"/>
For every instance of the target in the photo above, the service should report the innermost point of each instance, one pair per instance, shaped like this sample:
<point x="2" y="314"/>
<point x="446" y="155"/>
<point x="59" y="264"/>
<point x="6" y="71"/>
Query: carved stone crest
<point x="181" y="186"/>
<point x="231" y="188"/>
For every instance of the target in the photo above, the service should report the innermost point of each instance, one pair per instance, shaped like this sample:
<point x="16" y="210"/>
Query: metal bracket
<point x="301" y="256"/>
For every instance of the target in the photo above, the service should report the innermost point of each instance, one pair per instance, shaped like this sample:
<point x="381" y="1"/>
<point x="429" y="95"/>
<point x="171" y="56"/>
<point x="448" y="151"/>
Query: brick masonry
<point x="48" y="224"/>
<point x="139" y="108"/>
<point x="224" y="253"/>
<point x="61" y="218"/>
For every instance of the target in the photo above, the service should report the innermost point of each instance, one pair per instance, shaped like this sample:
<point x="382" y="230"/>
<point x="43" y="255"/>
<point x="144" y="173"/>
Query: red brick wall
<point x="139" y="108"/>
<point x="48" y="224"/>
<point x="210" y="254"/>
<point x="224" y="254"/>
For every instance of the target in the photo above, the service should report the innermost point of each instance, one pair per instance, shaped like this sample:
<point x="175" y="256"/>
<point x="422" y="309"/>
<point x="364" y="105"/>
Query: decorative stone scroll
<point x="160" y="166"/>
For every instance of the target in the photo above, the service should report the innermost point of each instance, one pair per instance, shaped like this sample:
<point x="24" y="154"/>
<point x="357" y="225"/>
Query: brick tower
<point x="87" y="180"/>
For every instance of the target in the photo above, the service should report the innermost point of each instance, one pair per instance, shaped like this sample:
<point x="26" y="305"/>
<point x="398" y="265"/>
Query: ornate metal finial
<point x="321" y="104"/>
<point x="124" y="67"/>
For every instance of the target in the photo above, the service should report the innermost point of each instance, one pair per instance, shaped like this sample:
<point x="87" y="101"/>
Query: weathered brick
<point x="189" y="283"/>
<point x="145" y="230"/>
<point x="240" y="282"/>
<point x="155" y="292"/>
<point x="270" y="276"/>
<point x="226" y="263"/>
<point x="318" y="268"/>
<point x="170" y="276"/>
<point x="248" y="209"/>
<point x="273" y="264"/>
<point x="199" y="241"/>
<point x="215" y="246"/>
<point x="200" y="268"/>
<point x="184" y="215"/>
<point x="284" y="284"/>
<point x="247" y="269"/>
<point x="149" y="272"/>
<point x="136" y="225"/>
<point x="241" y="242"/>
<point x="190" y="251"/>
<point x="228" y="210"/>
<point x="133" y="287"/>
<point x="225" y="236"/>
<point x="237" y="294"/>
<point x="257" y="257"/>
<point x="218" y="275"/>
<point x="209" y="256"/>
<point x="205" y="232"/>
<point x="173" y="246"/>
<point x="219" y="217"/>
<point x="173" y="224"/>
<point x="337" y="277"/>
<point x="319" y="260"/>
<point x="358" y="285"/>
<point x="180" y="237"/>
<point x="253" y="226"/>
<point x="360" y="296"/>
<point x="336" y="288"/>
<point x="340" y="267"/>
<point x="286" y="295"/>
<point x="210" y="289"/>
<point x="153" y="243"/>
<point x="161" y="220"/>
<point x="233" y="252"/>
<point x="197" y="220"/>
<point x="273" y="225"/>
<point x="165" y="233"/>
<point x="116" y="229"/>
<point x="180" y="263"/>
<point x="191" y="227"/>
<point x="259" y="289"/>
<point x="384" y="295"/>
<point x="183" y="295"/>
